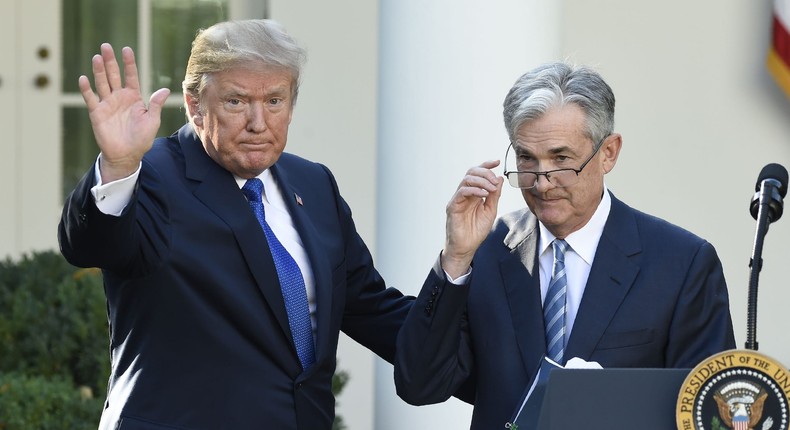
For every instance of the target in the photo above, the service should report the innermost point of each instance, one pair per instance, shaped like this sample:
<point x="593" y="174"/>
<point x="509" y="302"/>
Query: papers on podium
<point x="526" y="416"/>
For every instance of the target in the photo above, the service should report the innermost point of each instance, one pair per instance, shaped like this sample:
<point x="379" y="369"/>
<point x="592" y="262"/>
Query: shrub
<point x="45" y="403"/>
<point x="54" y="359"/>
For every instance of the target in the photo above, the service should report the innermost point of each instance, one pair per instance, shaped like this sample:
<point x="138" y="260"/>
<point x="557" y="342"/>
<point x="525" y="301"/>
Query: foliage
<point x="45" y="403"/>
<point x="54" y="321"/>
<point x="53" y="344"/>
<point x="339" y="380"/>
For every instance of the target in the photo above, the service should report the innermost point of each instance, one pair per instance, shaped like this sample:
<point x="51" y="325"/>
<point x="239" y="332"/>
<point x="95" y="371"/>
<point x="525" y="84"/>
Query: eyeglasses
<point x="558" y="177"/>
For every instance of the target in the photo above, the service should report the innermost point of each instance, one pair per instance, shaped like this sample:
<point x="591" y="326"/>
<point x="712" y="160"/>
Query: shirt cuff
<point x="113" y="197"/>
<point x="461" y="280"/>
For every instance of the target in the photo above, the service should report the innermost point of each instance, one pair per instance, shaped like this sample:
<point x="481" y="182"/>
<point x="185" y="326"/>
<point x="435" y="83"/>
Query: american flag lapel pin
<point x="298" y="200"/>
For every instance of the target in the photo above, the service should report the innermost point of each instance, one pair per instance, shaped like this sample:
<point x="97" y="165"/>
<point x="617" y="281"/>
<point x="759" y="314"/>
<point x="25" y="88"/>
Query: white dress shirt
<point x="578" y="259"/>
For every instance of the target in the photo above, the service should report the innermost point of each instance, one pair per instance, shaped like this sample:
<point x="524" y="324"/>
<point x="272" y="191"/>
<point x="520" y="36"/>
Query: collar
<point x="584" y="241"/>
<point x="271" y="192"/>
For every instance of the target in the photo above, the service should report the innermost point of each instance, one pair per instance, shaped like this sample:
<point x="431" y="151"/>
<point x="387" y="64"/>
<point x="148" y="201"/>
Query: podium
<point x="610" y="399"/>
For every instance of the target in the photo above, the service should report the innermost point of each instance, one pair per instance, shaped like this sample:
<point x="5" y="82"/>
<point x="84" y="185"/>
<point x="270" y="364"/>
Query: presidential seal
<point x="735" y="390"/>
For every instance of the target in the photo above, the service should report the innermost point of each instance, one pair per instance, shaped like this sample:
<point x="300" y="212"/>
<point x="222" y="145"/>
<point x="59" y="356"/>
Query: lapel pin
<point x="298" y="200"/>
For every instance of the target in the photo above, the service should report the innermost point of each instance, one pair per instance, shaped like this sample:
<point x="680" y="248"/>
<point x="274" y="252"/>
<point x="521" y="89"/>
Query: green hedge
<point x="53" y="344"/>
<point x="45" y="403"/>
<point x="54" y="356"/>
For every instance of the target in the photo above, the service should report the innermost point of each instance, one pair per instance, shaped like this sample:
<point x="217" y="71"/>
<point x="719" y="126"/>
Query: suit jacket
<point x="199" y="335"/>
<point x="655" y="297"/>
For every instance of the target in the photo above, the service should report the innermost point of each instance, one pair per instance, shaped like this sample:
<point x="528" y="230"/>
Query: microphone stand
<point x="756" y="262"/>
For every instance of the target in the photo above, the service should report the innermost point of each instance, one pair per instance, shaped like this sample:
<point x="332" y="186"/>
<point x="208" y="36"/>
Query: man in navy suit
<point x="624" y="289"/>
<point x="202" y="318"/>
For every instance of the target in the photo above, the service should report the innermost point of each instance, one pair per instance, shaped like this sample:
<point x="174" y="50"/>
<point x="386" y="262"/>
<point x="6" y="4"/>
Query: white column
<point x="445" y="67"/>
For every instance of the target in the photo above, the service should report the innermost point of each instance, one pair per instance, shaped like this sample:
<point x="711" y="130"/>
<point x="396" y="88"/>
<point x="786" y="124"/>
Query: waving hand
<point x="123" y="125"/>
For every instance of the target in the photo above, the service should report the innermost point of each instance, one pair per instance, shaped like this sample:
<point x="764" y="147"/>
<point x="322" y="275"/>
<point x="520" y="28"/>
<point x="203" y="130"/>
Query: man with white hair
<point x="230" y="266"/>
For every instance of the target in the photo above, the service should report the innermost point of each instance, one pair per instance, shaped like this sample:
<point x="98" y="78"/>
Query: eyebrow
<point x="556" y="150"/>
<point x="237" y="90"/>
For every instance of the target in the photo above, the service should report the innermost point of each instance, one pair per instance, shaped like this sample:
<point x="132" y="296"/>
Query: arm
<point x="702" y="325"/>
<point x="434" y="357"/>
<point x="124" y="129"/>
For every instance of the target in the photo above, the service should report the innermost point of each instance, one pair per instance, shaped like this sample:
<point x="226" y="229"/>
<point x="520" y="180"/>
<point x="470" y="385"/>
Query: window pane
<point x="172" y="119"/>
<point x="79" y="149"/>
<point x="174" y="25"/>
<point x="88" y="23"/>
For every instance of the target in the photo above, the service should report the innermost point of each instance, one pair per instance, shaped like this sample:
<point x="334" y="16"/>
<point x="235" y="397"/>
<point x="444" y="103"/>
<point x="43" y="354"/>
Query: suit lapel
<point x="611" y="277"/>
<point x="521" y="277"/>
<point x="216" y="188"/>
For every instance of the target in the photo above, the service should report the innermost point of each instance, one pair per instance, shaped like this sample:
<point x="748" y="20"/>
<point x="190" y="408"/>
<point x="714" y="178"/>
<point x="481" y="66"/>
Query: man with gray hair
<point x="230" y="266"/>
<point x="577" y="273"/>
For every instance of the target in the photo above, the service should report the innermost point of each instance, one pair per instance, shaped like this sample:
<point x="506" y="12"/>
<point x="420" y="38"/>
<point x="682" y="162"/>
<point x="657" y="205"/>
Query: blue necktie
<point x="554" y="304"/>
<point x="291" y="280"/>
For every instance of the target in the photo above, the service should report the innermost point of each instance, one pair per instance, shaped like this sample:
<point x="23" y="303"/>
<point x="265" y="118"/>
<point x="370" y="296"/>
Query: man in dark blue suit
<point x="620" y="287"/>
<point x="230" y="267"/>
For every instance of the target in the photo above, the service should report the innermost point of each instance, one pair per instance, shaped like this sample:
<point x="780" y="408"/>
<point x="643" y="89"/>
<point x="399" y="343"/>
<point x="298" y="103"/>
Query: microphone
<point x="772" y="183"/>
<point x="766" y="207"/>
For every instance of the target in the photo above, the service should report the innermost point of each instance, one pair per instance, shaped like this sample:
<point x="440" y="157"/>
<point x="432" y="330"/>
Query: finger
<point x="130" y="68"/>
<point x="464" y="193"/>
<point x="100" y="77"/>
<point x="482" y="176"/>
<point x="90" y="98"/>
<point x="486" y="167"/>
<point x="492" y="201"/>
<point x="490" y="164"/>
<point x="111" y="66"/>
<point x="481" y="181"/>
<point x="157" y="100"/>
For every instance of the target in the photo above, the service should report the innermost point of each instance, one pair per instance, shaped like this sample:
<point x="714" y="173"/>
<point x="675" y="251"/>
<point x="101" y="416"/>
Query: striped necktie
<point x="554" y="304"/>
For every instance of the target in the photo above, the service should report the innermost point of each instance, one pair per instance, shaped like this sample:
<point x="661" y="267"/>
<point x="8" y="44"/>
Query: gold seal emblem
<point x="735" y="390"/>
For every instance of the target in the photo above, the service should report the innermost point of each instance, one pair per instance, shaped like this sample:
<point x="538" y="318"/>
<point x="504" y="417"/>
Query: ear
<point x="193" y="108"/>
<point x="610" y="150"/>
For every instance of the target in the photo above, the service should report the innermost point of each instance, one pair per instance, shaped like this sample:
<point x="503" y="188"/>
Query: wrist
<point x="117" y="169"/>
<point x="455" y="266"/>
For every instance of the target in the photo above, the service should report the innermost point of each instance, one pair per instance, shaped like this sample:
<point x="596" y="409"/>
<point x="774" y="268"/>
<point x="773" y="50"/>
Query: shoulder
<point x="654" y="239"/>
<point x="293" y="162"/>
<point x="518" y="220"/>
<point x="300" y="171"/>
<point x="511" y="229"/>
<point x="165" y="150"/>
<point x="649" y="225"/>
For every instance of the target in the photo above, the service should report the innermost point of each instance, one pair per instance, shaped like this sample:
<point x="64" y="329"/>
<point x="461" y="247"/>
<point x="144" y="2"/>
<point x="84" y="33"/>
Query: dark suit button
<point x="299" y="386"/>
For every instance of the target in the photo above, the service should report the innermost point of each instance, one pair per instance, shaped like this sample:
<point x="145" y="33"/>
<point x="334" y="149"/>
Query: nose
<point x="542" y="184"/>
<point x="256" y="122"/>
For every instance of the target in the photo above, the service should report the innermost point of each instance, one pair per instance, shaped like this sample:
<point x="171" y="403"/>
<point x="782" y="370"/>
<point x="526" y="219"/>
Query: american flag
<point x="778" y="59"/>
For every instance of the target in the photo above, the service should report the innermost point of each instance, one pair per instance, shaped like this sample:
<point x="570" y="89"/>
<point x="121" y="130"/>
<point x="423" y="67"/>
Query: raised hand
<point x="470" y="214"/>
<point x="123" y="125"/>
